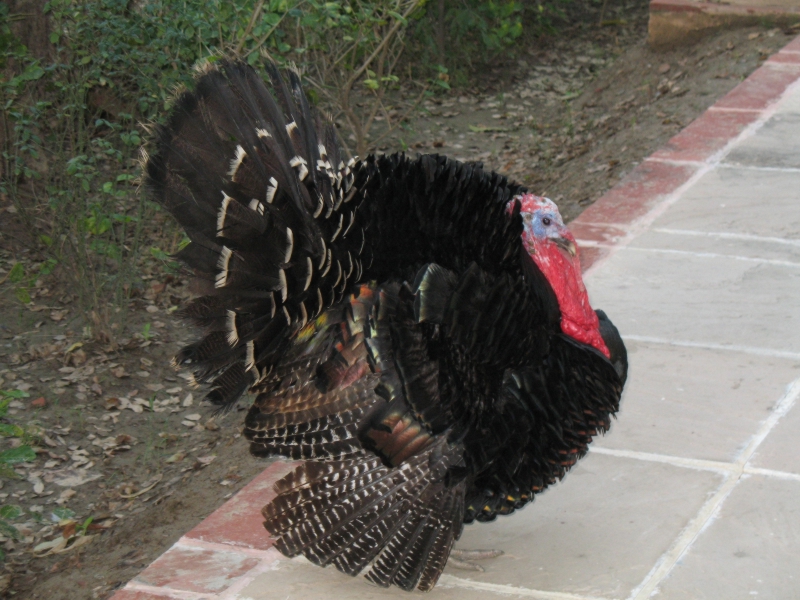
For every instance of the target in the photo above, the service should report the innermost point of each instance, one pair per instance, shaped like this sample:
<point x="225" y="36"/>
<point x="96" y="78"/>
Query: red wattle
<point x="578" y="319"/>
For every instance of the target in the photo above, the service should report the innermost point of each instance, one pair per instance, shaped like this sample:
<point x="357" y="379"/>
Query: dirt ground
<point x="122" y="438"/>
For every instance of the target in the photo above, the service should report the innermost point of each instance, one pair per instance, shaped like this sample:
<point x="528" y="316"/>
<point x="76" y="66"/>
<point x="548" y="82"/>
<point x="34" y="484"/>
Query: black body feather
<point x="399" y="337"/>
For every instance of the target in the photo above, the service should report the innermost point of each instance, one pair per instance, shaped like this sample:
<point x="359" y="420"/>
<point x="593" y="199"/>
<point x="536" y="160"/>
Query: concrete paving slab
<point x="776" y="144"/>
<point x="298" y="579"/>
<point x="597" y="533"/>
<point x="694" y="402"/>
<point x="750" y="550"/>
<point x="780" y="450"/>
<point x="745" y="246"/>
<point x="699" y="299"/>
<point x="739" y="200"/>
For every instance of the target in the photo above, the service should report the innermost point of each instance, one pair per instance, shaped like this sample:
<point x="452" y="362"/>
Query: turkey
<point x="416" y="330"/>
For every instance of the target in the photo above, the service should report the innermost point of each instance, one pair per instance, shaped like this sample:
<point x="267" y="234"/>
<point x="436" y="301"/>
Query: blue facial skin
<point x="542" y="224"/>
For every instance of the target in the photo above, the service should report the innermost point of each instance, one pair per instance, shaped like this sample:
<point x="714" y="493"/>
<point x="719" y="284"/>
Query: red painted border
<point x="228" y="549"/>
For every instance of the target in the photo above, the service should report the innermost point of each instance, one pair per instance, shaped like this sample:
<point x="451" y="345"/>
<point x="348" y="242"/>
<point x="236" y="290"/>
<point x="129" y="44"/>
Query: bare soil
<point x="122" y="438"/>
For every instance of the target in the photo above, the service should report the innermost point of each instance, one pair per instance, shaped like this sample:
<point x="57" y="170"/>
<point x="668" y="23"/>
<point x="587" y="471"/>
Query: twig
<point x="250" y="26"/>
<point x="272" y="29"/>
<point x="404" y="116"/>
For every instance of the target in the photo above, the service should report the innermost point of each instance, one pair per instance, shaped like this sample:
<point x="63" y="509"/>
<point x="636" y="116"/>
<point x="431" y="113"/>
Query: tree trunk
<point x="32" y="27"/>
<point x="441" y="32"/>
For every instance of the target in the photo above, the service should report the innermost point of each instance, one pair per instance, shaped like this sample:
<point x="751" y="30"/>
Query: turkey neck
<point x="563" y="272"/>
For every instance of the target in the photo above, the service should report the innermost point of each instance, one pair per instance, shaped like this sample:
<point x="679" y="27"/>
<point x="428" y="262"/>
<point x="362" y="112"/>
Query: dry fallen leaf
<point x="119" y="372"/>
<point x="177" y="457"/>
<point x="149" y="486"/>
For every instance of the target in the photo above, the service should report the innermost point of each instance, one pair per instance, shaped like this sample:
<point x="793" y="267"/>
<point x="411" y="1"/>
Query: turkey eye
<point x="546" y="221"/>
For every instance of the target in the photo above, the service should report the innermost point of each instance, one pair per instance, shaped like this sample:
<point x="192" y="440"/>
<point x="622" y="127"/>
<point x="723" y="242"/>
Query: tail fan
<point x="258" y="182"/>
<point x="401" y="522"/>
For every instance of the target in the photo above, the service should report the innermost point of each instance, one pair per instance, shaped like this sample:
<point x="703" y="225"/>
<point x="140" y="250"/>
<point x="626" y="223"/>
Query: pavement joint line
<point x="192" y="544"/>
<point x="697" y="464"/>
<point x="166" y="592"/>
<point x="724" y="165"/>
<point x="749" y="237"/>
<point x="709" y="511"/>
<point x="643" y="224"/>
<point x="772" y="473"/>
<point x="733" y="110"/>
<point x="449" y="580"/>
<point x="755" y="350"/>
<point x="755" y="259"/>
<point x="764" y="261"/>
<point x="781" y="66"/>
<point x="676" y="162"/>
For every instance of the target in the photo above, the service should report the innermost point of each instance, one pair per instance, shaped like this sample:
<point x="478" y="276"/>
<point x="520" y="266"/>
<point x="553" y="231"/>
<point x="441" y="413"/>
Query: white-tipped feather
<point x="284" y="286"/>
<point x="338" y="227"/>
<point x="289" y="245"/>
<point x="310" y="273"/>
<point x="303" y="315"/>
<point x="321" y="302"/>
<point x="250" y="361"/>
<point x="322" y="256"/>
<point x="350" y="195"/>
<point x="323" y="153"/>
<point x="271" y="189"/>
<point x="222" y="263"/>
<point x="223" y="212"/>
<point x="350" y="270"/>
<point x="327" y="264"/>
<point x="338" y="273"/>
<point x="233" y="333"/>
<point x="302" y="172"/>
<point x="256" y="206"/>
<point x="287" y="315"/>
<point x="236" y="162"/>
<point x="349" y="225"/>
<point x="262" y="133"/>
<point x="359" y="270"/>
<point x="291" y="128"/>
<point x="296" y="161"/>
<point x="320" y="206"/>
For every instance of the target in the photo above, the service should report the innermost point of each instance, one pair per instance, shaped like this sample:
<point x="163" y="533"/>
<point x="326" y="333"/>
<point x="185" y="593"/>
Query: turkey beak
<point x="567" y="245"/>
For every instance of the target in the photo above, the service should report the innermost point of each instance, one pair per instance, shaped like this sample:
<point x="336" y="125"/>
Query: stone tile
<point x="725" y="243"/>
<point x="750" y="550"/>
<point x="298" y="578"/>
<point x="598" y="533"/>
<point x="590" y="255"/>
<point x="124" y="594"/>
<point x="195" y="569"/>
<point x="735" y="200"/>
<point x="596" y="232"/>
<point x="638" y="193"/>
<point x="775" y="144"/>
<point x="779" y="450"/>
<point x="763" y="87"/>
<point x="793" y="46"/>
<point x="239" y="521"/>
<point x="699" y="299"/>
<point x="706" y="135"/>
<point x="696" y="403"/>
<point x="782" y="57"/>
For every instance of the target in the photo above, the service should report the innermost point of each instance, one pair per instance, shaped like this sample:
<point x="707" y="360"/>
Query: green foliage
<point x="21" y="454"/>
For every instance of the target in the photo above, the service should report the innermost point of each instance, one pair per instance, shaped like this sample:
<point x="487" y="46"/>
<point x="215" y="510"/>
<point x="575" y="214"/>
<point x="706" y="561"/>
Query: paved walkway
<point x="695" y="493"/>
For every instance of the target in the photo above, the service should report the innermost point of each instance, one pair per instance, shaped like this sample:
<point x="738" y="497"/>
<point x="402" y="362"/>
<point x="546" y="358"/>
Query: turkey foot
<point x="461" y="559"/>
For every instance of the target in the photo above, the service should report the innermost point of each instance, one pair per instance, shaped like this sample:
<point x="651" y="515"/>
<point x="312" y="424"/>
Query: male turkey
<point x="416" y="329"/>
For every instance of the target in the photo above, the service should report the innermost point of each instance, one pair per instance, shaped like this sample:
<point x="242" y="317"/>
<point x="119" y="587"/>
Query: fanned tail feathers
<point x="260" y="187"/>
<point x="359" y="512"/>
